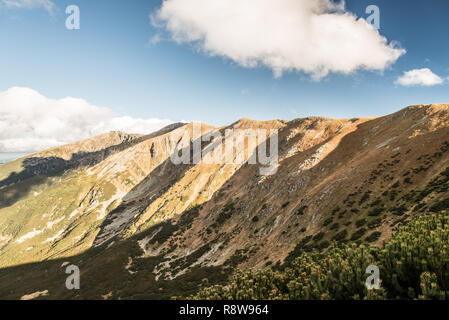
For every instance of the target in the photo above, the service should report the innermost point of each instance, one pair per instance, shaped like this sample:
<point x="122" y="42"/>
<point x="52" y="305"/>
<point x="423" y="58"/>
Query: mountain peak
<point x="336" y="180"/>
<point x="246" y="123"/>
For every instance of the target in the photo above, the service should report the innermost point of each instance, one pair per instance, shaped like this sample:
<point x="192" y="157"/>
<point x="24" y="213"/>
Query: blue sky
<point x="110" y="62"/>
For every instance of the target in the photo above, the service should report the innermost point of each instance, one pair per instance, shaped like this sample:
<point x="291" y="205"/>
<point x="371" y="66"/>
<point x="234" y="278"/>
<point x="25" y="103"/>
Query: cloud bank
<point x="312" y="36"/>
<point x="419" y="77"/>
<point x="30" y="122"/>
<point x="31" y="4"/>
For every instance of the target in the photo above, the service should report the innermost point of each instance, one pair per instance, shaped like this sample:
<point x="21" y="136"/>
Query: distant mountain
<point x="140" y="226"/>
<point x="5" y="160"/>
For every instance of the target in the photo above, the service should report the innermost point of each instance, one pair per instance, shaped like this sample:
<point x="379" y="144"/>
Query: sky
<point x="137" y="65"/>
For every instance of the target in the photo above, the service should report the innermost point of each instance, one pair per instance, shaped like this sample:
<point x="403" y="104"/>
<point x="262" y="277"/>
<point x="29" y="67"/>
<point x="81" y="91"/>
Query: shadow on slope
<point x="118" y="269"/>
<point x="38" y="170"/>
<point x="104" y="271"/>
<point x="141" y="196"/>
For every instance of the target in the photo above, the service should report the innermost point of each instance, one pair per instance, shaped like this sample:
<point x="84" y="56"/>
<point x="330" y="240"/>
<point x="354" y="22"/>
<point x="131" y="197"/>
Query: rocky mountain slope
<point x="139" y="226"/>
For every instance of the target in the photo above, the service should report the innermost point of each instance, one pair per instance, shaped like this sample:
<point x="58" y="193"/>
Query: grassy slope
<point x="103" y="271"/>
<point x="7" y="168"/>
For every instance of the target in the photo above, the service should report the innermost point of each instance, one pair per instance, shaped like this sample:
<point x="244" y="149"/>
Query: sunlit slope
<point x="336" y="180"/>
<point x="58" y="212"/>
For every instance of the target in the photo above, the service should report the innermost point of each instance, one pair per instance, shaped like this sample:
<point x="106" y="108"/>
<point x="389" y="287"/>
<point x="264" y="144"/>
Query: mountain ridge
<point x="337" y="180"/>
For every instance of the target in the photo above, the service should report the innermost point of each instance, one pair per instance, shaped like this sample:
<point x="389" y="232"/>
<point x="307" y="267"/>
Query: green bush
<point x="318" y="236"/>
<point x="358" y="234"/>
<point x="375" y="212"/>
<point x="334" y="226"/>
<point x="340" y="236"/>
<point x="328" y="221"/>
<point x="418" y="247"/>
<point x="414" y="264"/>
<point x="375" y="223"/>
<point x="373" y="236"/>
<point x="360" y="223"/>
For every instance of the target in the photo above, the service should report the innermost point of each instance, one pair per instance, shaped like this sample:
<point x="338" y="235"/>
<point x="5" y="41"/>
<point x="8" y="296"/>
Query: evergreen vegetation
<point x="414" y="264"/>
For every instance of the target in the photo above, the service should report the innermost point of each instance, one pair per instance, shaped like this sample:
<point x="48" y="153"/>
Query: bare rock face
<point x="122" y="195"/>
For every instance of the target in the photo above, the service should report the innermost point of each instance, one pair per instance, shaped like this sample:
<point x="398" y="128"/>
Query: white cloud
<point x="419" y="77"/>
<point x="155" y="39"/>
<point x="312" y="36"/>
<point x="31" y="4"/>
<point x="30" y="122"/>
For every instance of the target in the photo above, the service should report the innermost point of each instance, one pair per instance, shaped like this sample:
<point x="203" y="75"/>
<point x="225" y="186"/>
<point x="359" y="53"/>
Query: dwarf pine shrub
<point x="413" y="264"/>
